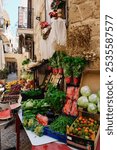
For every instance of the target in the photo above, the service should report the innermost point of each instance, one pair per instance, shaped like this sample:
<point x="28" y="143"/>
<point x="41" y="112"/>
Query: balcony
<point x="25" y="20"/>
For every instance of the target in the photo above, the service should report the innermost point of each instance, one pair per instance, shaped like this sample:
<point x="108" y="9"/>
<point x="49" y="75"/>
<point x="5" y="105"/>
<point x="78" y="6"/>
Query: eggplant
<point x="50" y="120"/>
<point x="50" y="114"/>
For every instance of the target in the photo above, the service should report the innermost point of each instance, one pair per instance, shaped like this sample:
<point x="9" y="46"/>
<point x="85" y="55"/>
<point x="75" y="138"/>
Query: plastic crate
<point x="60" y="137"/>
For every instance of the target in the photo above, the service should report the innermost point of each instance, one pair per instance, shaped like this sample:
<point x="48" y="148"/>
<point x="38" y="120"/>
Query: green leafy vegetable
<point x="60" y="124"/>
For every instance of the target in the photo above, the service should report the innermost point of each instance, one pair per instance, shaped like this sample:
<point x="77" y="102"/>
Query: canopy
<point x="2" y="57"/>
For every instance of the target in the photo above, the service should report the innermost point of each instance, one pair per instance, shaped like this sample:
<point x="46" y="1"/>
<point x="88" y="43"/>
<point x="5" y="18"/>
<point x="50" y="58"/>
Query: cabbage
<point x="83" y="101"/>
<point x="93" y="98"/>
<point x="85" y="91"/>
<point x="98" y="106"/>
<point x="92" y="108"/>
<point x="29" y="104"/>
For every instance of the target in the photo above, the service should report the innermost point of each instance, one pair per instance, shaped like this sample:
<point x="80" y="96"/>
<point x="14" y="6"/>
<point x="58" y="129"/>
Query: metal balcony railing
<point x="25" y="17"/>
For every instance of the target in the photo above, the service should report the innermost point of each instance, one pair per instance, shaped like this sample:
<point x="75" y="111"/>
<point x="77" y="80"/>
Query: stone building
<point x="79" y="13"/>
<point x="83" y="28"/>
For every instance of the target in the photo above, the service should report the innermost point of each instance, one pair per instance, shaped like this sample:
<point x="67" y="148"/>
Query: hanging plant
<point x="53" y="14"/>
<point x="56" y="4"/>
<point x="45" y="29"/>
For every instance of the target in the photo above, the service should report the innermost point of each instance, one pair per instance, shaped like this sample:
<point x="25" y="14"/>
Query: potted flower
<point x="53" y="14"/>
<point x="45" y="29"/>
<point x="57" y="4"/>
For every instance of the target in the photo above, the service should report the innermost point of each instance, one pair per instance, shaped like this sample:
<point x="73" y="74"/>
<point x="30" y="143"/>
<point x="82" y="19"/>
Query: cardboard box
<point x="92" y="79"/>
<point x="83" y="143"/>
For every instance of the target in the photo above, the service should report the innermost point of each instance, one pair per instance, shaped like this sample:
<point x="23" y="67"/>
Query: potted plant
<point x="3" y="75"/>
<point x="54" y="65"/>
<point x="49" y="64"/>
<point x="57" y="4"/>
<point x="76" y="74"/>
<point x="60" y="57"/>
<point x="67" y="68"/>
<point x="77" y="68"/>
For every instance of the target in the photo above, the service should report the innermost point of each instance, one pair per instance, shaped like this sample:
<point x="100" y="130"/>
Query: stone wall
<point x="86" y="12"/>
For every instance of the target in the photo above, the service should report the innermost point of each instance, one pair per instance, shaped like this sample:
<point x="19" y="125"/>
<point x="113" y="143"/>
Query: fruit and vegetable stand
<point x="61" y="109"/>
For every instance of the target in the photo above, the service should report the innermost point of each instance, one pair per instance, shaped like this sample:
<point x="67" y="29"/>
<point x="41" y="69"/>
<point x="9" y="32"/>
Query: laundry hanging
<point x="57" y="36"/>
<point x="58" y="32"/>
<point x="46" y="48"/>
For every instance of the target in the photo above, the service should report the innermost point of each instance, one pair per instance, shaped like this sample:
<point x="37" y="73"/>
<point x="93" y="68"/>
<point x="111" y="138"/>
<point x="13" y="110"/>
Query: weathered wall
<point x="86" y="12"/>
<point x="80" y="12"/>
<point x="39" y="11"/>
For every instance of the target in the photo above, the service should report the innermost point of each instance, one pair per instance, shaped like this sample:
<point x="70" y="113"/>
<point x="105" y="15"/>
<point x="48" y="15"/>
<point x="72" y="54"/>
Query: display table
<point x="39" y="143"/>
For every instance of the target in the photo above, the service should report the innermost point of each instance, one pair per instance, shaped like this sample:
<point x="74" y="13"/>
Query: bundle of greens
<point x="55" y="98"/>
<point x="32" y="107"/>
<point x="60" y="124"/>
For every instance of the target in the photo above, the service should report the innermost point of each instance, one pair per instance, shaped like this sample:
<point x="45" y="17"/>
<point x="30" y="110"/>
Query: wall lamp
<point x="38" y="18"/>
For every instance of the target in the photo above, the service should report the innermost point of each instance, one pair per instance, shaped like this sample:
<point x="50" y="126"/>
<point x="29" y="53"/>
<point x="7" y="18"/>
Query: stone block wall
<point x="86" y="12"/>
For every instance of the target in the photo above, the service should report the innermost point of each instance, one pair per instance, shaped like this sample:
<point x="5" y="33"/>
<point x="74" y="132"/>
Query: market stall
<point x="64" y="108"/>
<point x="58" y="98"/>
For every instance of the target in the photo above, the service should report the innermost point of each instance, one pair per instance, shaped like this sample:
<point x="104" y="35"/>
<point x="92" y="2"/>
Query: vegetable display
<point x="83" y="127"/>
<point x="33" y="125"/>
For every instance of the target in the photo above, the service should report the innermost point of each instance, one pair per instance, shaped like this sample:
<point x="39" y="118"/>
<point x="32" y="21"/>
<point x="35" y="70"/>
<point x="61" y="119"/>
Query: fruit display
<point x="11" y="83"/>
<point x="29" y="84"/>
<point x="89" y="101"/>
<point x="83" y="127"/>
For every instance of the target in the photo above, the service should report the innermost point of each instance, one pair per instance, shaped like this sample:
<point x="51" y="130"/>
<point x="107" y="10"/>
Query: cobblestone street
<point x="8" y="139"/>
<point x="8" y="135"/>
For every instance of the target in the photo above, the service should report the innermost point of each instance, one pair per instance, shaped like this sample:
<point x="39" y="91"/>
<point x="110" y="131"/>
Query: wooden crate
<point x="81" y="143"/>
<point x="92" y="79"/>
